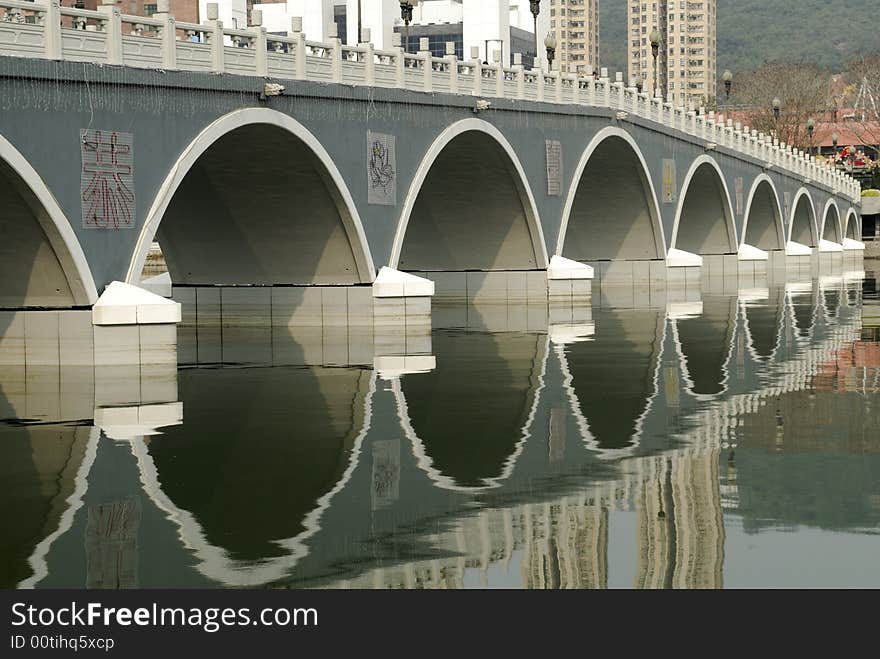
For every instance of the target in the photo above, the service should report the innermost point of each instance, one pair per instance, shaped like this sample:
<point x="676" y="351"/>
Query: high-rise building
<point x="687" y="54"/>
<point x="575" y="24"/>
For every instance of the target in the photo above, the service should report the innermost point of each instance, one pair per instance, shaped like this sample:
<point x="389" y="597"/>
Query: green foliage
<point x="871" y="193"/>
<point x="750" y="32"/>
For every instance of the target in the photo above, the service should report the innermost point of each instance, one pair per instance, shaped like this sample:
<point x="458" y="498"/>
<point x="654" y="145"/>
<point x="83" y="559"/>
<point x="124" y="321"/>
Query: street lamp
<point x="727" y="77"/>
<point x="535" y="7"/>
<point x="811" y="126"/>
<point x="777" y="104"/>
<point x="852" y="159"/>
<point x="834" y="139"/>
<point x="655" y="51"/>
<point x="550" y="45"/>
<point x="406" y="8"/>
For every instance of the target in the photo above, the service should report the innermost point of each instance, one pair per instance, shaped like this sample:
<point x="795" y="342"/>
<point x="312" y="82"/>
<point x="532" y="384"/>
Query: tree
<point x="803" y="91"/>
<point x="864" y="74"/>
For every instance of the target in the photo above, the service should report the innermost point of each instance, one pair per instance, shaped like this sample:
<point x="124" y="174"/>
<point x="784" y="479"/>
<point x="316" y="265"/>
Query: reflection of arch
<point x="852" y="227"/>
<point x="74" y="502"/>
<point x="427" y="464"/>
<point x="215" y="562"/>
<point x="621" y="163"/>
<point x="696" y="384"/>
<point x="22" y="189"/>
<point x="803" y="316"/>
<point x="470" y="137"/>
<point x="704" y="222"/>
<point x="836" y="231"/>
<point x="756" y="315"/>
<point x="253" y="119"/>
<point x="590" y="431"/>
<point x="764" y="231"/>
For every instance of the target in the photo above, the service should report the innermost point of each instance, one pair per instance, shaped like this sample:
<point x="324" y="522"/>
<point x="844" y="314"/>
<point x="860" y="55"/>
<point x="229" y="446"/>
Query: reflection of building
<point x="687" y="54"/>
<point x="680" y="527"/>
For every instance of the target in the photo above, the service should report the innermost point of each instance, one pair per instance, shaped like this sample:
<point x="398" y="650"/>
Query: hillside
<point x="750" y="32"/>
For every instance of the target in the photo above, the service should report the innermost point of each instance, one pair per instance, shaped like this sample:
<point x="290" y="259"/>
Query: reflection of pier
<point x="306" y="476"/>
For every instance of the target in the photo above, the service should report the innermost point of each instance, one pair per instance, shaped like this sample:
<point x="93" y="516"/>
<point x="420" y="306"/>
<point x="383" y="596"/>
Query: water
<point x="726" y="441"/>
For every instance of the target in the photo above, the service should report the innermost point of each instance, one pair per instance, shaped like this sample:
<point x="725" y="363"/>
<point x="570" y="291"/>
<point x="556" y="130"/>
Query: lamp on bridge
<point x="727" y="77"/>
<point x="655" y="51"/>
<point x="777" y="105"/>
<point x="550" y="45"/>
<point x="811" y="127"/>
<point x="535" y="7"/>
<point x="406" y="9"/>
<point x="834" y="139"/>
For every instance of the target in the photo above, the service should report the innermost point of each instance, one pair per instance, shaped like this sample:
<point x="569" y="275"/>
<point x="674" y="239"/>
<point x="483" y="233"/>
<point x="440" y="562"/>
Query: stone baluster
<point x="452" y="66"/>
<point x="520" y="76"/>
<point x="299" y="47"/>
<point x="477" y="70"/>
<point x="52" y="31"/>
<point x="261" y="62"/>
<point x="113" y="29"/>
<point x="335" y="53"/>
<point x="168" y="33"/>
<point x="369" y="57"/>
<point x="499" y="73"/>
<point x="427" y="65"/>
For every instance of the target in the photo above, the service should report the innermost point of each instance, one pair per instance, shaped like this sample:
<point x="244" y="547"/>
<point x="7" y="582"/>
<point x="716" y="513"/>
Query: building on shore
<point x="685" y="68"/>
<point x="575" y="25"/>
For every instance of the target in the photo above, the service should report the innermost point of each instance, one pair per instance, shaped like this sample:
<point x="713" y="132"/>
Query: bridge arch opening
<point x="853" y="231"/>
<point x="763" y="219"/>
<point x="831" y="223"/>
<point x="469" y="207"/>
<point x="256" y="200"/>
<point x="704" y="219"/>
<point x="802" y="226"/>
<point x="612" y="210"/>
<point x="41" y="261"/>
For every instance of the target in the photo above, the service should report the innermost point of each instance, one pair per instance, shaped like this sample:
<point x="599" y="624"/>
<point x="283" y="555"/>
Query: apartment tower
<point x="575" y="24"/>
<point x="687" y="54"/>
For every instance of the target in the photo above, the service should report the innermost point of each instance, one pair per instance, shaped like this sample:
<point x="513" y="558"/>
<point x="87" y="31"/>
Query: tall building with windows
<point x="575" y="24"/>
<point x="686" y="59"/>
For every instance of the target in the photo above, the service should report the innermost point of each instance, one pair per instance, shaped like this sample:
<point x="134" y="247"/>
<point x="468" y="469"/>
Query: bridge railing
<point x="47" y="30"/>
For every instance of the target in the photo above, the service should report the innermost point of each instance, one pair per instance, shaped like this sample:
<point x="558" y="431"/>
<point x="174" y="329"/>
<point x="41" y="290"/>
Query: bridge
<point x="309" y="180"/>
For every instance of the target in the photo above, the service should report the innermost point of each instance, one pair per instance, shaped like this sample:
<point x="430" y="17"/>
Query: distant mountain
<point x="750" y="32"/>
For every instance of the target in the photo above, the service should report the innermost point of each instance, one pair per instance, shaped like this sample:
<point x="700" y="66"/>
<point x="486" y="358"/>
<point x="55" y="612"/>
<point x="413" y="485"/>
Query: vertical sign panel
<point x="107" y="179"/>
<point x="553" y="149"/>
<point x="381" y="169"/>
<point x="670" y="187"/>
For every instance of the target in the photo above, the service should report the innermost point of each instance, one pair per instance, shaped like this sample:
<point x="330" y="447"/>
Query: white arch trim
<point x="601" y="136"/>
<point x="728" y="207"/>
<point x="58" y="229"/>
<point x="245" y="117"/>
<point x="426" y="463"/>
<point x="533" y="219"/>
<point x="780" y="224"/>
<point x="793" y="213"/>
<point x="828" y="204"/>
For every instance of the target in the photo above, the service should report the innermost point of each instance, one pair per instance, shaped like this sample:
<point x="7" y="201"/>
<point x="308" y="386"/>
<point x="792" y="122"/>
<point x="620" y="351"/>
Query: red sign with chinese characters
<point x="107" y="179"/>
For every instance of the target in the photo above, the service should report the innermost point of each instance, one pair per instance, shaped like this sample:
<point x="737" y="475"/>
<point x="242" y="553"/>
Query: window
<point x="150" y="9"/>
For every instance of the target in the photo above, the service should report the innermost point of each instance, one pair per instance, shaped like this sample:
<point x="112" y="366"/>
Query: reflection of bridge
<point x="348" y="459"/>
<point x="289" y="201"/>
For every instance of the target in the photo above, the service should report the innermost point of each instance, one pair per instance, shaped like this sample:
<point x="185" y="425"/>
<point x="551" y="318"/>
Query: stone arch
<point x="495" y="228"/>
<point x="204" y="236"/>
<point x="612" y="162"/>
<point x="763" y="225"/>
<point x="803" y="225"/>
<point x="852" y="226"/>
<point x="41" y="261"/>
<point x="831" y="230"/>
<point x="704" y="217"/>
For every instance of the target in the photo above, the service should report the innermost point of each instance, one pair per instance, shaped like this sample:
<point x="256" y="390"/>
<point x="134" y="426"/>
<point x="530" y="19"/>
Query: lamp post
<point x="811" y="127"/>
<point x="727" y="77"/>
<point x="406" y="8"/>
<point x="655" y="51"/>
<point x="852" y="159"/>
<point x="550" y="45"/>
<point x="360" y="36"/>
<point x="834" y="139"/>
<point x="777" y="105"/>
<point x="535" y="7"/>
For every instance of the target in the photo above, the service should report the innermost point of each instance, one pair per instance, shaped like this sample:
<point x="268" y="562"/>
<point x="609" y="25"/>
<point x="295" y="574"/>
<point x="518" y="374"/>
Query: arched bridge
<point x="266" y="160"/>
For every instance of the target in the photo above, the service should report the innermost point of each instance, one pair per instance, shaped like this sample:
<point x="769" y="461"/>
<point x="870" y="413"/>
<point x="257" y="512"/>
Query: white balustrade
<point x="45" y="29"/>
